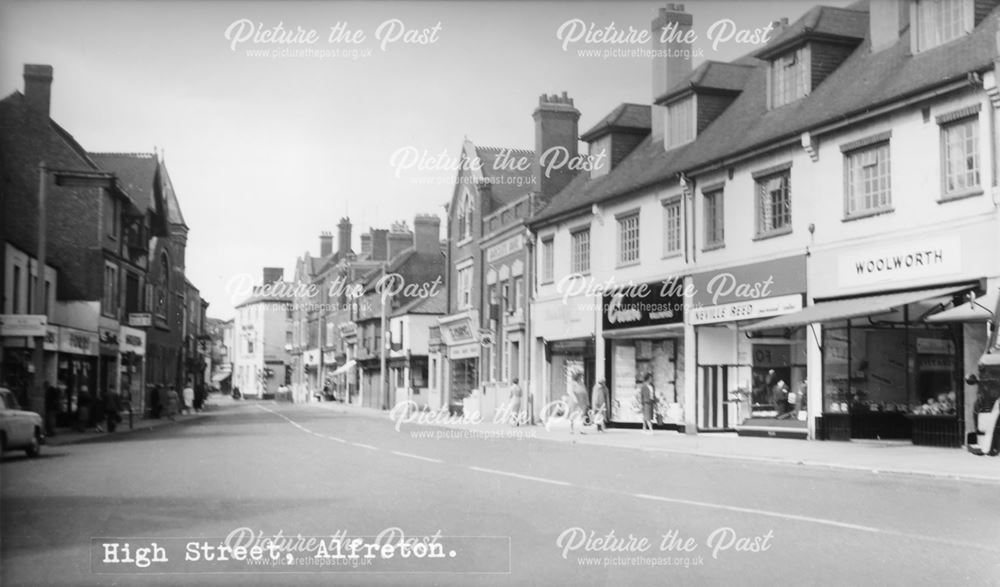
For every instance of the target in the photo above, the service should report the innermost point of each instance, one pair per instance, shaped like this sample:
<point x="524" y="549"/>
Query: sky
<point x="267" y="148"/>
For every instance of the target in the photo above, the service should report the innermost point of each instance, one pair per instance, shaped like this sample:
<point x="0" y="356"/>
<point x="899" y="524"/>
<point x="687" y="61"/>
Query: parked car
<point x="19" y="429"/>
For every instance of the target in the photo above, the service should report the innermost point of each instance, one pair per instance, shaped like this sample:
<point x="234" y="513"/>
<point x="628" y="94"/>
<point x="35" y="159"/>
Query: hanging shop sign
<point x="132" y="340"/>
<point x="658" y="303"/>
<point x="747" y="292"/>
<point x="140" y="319"/>
<point x="109" y="340"/>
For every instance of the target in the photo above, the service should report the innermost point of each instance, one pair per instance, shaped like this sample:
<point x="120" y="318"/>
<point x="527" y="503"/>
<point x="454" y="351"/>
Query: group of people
<point x="166" y="401"/>
<point x="102" y="412"/>
<point x="581" y="409"/>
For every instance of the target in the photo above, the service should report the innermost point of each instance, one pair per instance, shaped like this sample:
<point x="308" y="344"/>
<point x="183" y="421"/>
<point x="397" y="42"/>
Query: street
<point x="286" y="470"/>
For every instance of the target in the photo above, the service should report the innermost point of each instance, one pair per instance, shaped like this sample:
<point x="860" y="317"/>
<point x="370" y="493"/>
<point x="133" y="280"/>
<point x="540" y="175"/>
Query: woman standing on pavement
<point x="646" y="399"/>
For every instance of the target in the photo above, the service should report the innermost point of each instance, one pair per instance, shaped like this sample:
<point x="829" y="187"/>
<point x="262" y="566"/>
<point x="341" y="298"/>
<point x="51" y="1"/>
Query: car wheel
<point x="35" y="448"/>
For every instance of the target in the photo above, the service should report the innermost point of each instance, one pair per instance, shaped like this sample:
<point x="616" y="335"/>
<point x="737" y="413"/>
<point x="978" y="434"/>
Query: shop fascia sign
<point x="505" y="248"/>
<point x="78" y="342"/>
<point x="140" y="319"/>
<point x="746" y="292"/>
<point x="23" y="324"/>
<point x="109" y="337"/>
<point x="645" y="304"/>
<point x="458" y="330"/>
<point x="900" y="261"/>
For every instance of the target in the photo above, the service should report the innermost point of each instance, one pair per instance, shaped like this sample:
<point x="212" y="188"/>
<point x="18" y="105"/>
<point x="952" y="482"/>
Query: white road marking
<point x="413" y="456"/>
<point x="519" y="476"/>
<point x="368" y="446"/>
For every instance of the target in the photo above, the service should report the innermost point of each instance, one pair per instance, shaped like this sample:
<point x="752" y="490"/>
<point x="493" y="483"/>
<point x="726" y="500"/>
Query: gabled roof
<point x="820" y="22"/>
<point x="15" y="101"/>
<point x="135" y="171"/>
<point x="436" y="304"/>
<point x="626" y="117"/>
<point x="864" y="81"/>
<point x="506" y="185"/>
<point x="712" y="76"/>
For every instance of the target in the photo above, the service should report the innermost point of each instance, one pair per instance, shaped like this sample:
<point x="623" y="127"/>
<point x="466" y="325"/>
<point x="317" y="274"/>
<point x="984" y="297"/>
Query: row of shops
<point x="76" y="360"/>
<point x="871" y="342"/>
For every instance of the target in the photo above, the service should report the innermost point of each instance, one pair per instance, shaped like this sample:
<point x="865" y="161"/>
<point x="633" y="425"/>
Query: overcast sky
<point x="266" y="152"/>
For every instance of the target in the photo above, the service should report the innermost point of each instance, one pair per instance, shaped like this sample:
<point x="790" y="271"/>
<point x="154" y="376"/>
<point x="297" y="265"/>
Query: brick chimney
<point x="273" y="274"/>
<point x="886" y="18"/>
<point x="380" y="244"/>
<point x="669" y="29"/>
<point x="38" y="89"/>
<point x="427" y="233"/>
<point x="344" y="236"/>
<point x="400" y="238"/>
<point x="555" y="126"/>
<point x="325" y="244"/>
<point x="366" y="244"/>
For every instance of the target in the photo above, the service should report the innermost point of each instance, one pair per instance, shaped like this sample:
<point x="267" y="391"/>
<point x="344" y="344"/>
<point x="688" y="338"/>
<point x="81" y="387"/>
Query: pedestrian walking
<point x="188" y="398"/>
<point x="52" y="402"/>
<point x="83" y="405"/>
<point x="172" y="401"/>
<point x="647" y="399"/>
<point x="577" y="403"/>
<point x="112" y="410"/>
<point x="515" y="402"/>
<point x="156" y="399"/>
<point x="600" y="404"/>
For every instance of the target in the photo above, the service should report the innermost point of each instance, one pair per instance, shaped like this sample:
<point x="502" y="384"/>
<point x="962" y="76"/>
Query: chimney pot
<point x="325" y="243"/>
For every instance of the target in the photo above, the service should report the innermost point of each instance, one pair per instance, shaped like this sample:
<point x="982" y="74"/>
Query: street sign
<point x="23" y="324"/>
<point x="140" y="319"/>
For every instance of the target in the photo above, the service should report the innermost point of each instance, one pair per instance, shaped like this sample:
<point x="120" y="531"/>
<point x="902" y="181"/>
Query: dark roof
<point x="714" y="76"/>
<point x="174" y="215"/>
<point x="820" y="21"/>
<point x="15" y="100"/>
<point x="506" y="185"/>
<point x="626" y="117"/>
<point x="135" y="171"/>
<point x="436" y="304"/>
<point x="864" y="81"/>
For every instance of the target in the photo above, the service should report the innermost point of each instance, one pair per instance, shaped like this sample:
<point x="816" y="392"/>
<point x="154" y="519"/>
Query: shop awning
<point x="221" y="377"/>
<point x="852" y="308"/>
<point x="344" y="368"/>
<point x="980" y="311"/>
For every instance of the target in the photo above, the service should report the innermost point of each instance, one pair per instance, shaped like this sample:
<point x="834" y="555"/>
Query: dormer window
<point x="600" y="155"/>
<point x="789" y="77"/>
<point x="941" y="21"/>
<point x="680" y="122"/>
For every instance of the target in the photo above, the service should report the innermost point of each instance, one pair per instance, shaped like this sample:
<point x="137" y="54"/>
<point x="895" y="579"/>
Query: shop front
<point x="894" y="345"/>
<point x="311" y="367"/>
<point x="565" y="328"/>
<point x="109" y="351"/>
<point x="331" y="362"/>
<point x="752" y="381"/>
<point x="18" y="363"/>
<point x="643" y="330"/>
<point x="460" y="336"/>
<point x="132" y="344"/>
<point x="77" y="367"/>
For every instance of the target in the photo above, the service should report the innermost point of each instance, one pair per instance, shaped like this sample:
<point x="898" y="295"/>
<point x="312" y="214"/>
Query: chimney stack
<point x="273" y="274"/>
<point x="672" y="62"/>
<point x="427" y="233"/>
<point x="38" y="89"/>
<point x="887" y="18"/>
<point x="344" y="236"/>
<point x="556" y="121"/>
<point x="380" y="244"/>
<point x="400" y="238"/>
<point x="325" y="244"/>
<point x="366" y="244"/>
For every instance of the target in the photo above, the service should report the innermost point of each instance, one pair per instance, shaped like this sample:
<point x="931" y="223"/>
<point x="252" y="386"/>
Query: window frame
<point x="621" y="249"/>
<point x="546" y="264"/>
<point x="801" y="58"/>
<point x="761" y="179"/>
<point x="109" y="294"/>
<point x="668" y="204"/>
<point x="928" y="13"/>
<point x="685" y="110"/>
<point x="948" y="123"/>
<point x="578" y="263"/>
<point x="717" y="194"/>
<point x="852" y="153"/>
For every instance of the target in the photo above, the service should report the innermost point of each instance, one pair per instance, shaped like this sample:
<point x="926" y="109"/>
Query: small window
<point x="581" y="251"/>
<point x="518" y="294"/>
<point x="628" y="239"/>
<point x="109" y="302"/>
<point x="942" y="21"/>
<point x="715" y="234"/>
<point x="672" y="233"/>
<point x="960" y="157"/>
<point x="867" y="181"/>
<point x="548" y="260"/>
<point x="465" y="288"/>
<point x="789" y="77"/>
<point x="680" y="122"/>
<point x="774" y="204"/>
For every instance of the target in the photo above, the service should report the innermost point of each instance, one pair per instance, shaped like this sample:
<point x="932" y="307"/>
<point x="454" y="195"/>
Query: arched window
<point x="465" y="217"/>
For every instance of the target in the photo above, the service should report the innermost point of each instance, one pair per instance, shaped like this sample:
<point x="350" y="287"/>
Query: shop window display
<point x="633" y="359"/>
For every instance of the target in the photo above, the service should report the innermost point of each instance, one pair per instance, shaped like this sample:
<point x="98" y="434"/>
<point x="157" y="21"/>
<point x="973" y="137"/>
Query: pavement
<point x="877" y="457"/>
<point x="513" y="509"/>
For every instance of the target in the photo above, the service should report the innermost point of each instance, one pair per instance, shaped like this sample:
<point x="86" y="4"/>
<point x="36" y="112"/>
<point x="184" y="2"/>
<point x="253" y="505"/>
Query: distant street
<point x="312" y="471"/>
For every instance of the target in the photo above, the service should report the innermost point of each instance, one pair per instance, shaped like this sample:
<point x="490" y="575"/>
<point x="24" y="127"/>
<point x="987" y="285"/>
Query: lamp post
<point x="384" y="375"/>
<point x="63" y="178"/>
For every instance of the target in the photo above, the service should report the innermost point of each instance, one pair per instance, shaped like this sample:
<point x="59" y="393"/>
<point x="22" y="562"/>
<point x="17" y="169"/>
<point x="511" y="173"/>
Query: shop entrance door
<point x="717" y="411"/>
